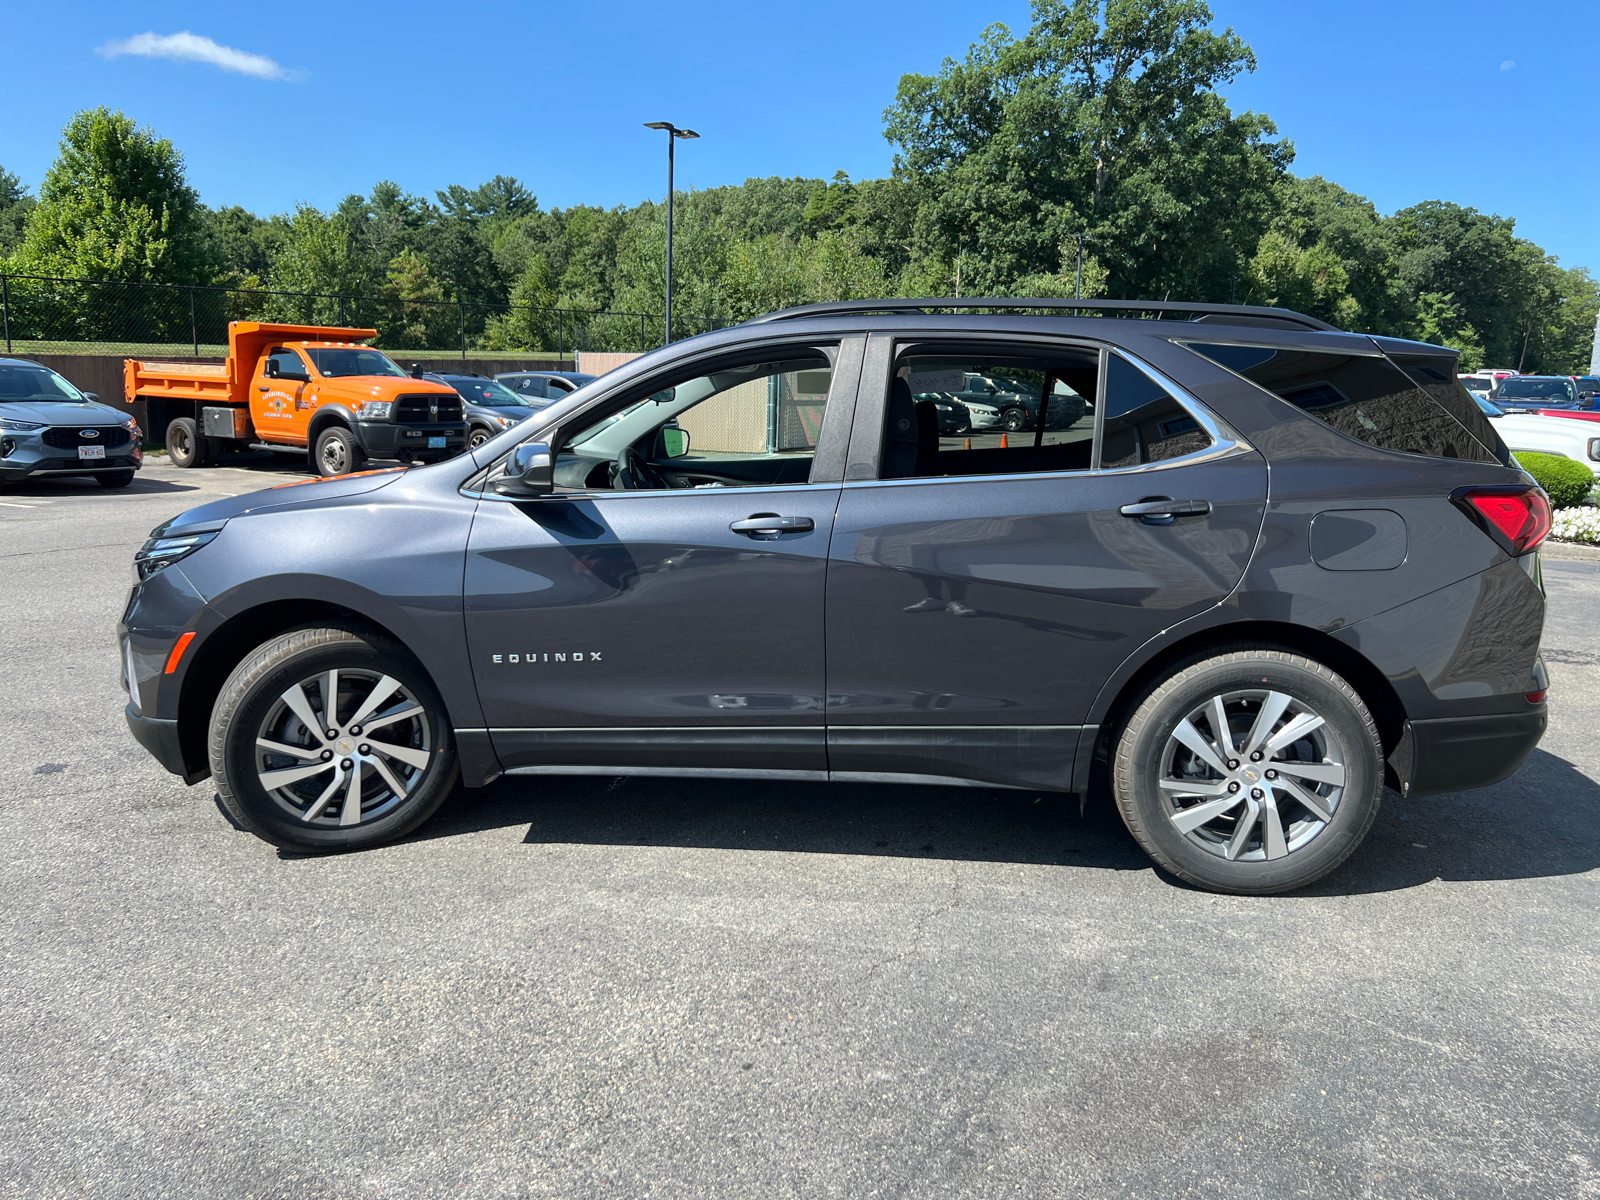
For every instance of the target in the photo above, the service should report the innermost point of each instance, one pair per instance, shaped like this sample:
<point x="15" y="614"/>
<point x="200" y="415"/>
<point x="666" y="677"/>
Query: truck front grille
<point x="69" y="437"/>
<point x="420" y="410"/>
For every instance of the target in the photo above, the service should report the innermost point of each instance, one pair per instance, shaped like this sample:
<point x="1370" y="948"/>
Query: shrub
<point x="1569" y="483"/>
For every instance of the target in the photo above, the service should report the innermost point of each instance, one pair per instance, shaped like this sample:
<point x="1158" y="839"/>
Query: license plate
<point x="87" y="452"/>
<point x="436" y="443"/>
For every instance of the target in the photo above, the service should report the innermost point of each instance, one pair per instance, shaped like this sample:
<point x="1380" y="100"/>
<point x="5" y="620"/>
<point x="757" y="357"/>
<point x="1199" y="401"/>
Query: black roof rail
<point x="1216" y="314"/>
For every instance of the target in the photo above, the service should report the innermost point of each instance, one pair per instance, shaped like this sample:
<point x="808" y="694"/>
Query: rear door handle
<point x="771" y="524"/>
<point x="1160" y="510"/>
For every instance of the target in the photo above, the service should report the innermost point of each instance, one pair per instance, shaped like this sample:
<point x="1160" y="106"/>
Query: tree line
<point x="1102" y="127"/>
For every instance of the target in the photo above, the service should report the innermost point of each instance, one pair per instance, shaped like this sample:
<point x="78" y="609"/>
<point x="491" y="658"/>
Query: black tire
<point x="1014" y="419"/>
<point x="478" y="437"/>
<point x="255" y="691"/>
<point x="1198" y="855"/>
<point x="115" y="479"/>
<point x="337" y="452"/>
<point x="186" y="447"/>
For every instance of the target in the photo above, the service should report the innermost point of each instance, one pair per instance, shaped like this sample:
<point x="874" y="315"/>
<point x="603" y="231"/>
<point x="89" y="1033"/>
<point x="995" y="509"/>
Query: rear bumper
<point x="1453" y="754"/>
<point x="161" y="739"/>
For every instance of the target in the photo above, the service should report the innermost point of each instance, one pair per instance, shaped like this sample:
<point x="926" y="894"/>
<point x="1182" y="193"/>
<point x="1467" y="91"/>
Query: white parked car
<point x="1566" y="437"/>
<point x="984" y="416"/>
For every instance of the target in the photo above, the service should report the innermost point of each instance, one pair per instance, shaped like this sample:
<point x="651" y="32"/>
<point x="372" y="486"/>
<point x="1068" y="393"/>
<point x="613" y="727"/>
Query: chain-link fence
<point x="48" y="315"/>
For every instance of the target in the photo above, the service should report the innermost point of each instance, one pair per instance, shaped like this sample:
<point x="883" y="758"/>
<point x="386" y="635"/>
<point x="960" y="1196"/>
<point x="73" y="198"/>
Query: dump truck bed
<point x="208" y="383"/>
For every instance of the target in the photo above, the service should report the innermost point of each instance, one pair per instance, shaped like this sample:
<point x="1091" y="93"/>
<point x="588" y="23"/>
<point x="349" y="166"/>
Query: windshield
<point x="1489" y="410"/>
<point x="486" y="392"/>
<point x="1524" y="387"/>
<point x="35" y="383"/>
<point x="1476" y="383"/>
<point x="338" y="362"/>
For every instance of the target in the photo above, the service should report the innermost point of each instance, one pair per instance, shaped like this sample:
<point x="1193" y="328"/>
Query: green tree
<point x="115" y="205"/>
<point x="15" y="205"/>
<point x="1103" y="118"/>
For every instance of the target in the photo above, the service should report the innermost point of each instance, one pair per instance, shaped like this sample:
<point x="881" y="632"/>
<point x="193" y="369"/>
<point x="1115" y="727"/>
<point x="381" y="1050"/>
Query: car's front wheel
<point x="331" y="739"/>
<point x="478" y="437"/>
<point x="1250" y="772"/>
<point x="1013" y="419"/>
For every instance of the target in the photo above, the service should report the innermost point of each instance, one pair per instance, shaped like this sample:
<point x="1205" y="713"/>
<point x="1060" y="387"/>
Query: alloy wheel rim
<point x="342" y="747"/>
<point x="1252" y="775"/>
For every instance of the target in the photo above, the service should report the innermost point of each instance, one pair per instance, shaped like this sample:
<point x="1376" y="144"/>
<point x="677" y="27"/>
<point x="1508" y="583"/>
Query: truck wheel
<point x="330" y="739"/>
<point x="185" y="446"/>
<point x="1252" y="772"/>
<point x="338" y="452"/>
<point x="117" y="479"/>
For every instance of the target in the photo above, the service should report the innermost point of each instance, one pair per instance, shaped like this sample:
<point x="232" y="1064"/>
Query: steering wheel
<point x="632" y="472"/>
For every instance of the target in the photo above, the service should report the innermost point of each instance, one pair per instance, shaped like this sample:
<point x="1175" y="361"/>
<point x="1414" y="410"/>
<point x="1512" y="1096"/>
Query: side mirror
<point x="272" y="368"/>
<point x="530" y="472"/>
<point x="674" y="442"/>
<point x="91" y="396"/>
<point x="416" y="370"/>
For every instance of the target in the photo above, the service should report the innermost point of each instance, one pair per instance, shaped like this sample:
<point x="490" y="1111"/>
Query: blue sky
<point x="1400" y="101"/>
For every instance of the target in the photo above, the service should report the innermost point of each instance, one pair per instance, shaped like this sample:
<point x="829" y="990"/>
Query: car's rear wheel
<point x="331" y="739"/>
<point x="114" y="479"/>
<point x="337" y="452"/>
<point x="185" y="445"/>
<point x="1250" y="772"/>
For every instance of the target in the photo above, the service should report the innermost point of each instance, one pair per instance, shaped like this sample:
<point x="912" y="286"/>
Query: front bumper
<point x="1454" y="754"/>
<point x="161" y="739"/>
<point x="382" y="439"/>
<point x="11" y="471"/>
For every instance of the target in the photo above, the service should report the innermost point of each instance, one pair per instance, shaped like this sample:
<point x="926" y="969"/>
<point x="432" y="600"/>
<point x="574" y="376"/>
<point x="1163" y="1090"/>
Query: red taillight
<point x="1537" y="697"/>
<point x="1517" y="518"/>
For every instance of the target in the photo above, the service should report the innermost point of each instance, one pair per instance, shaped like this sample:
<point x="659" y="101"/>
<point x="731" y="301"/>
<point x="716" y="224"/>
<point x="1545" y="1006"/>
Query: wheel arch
<point x="331" y="414"/>
<point x="226" y="646"/>
<point x="1136" y="678"/>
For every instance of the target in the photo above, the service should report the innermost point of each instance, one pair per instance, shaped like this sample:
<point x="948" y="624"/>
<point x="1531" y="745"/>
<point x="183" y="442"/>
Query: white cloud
<point x="191" y="47"/>
<point x="1508" y="64"/>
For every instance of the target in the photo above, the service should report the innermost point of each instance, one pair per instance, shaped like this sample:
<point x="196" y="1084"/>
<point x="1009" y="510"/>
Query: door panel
<point x="644" y="610"/>
<point x="1009" y="601"/>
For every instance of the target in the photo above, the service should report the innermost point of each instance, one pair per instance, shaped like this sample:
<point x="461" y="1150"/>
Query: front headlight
<point x="14" y="426"/>
<point x="375" y="410"/>
<point x="161" y="552"/>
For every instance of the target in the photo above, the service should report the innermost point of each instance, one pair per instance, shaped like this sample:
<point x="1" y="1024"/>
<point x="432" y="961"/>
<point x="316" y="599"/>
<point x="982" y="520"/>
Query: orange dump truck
<point x="300" y="389"/>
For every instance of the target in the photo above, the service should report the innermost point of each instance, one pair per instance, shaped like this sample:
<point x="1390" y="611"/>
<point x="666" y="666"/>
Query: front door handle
<point x="1162" y="510"/>
<point x="771" y="525"/>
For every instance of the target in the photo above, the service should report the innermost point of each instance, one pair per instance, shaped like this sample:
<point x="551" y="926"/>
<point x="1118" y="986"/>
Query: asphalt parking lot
<point x="663" y="988"/>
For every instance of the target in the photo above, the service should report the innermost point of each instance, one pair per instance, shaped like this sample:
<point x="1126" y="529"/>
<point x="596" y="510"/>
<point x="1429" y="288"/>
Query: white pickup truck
<point x="1576" y="437"/>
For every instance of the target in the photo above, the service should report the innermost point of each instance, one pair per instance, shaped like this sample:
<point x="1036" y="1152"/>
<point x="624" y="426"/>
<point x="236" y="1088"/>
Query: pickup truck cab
<point x="300" y="389"/>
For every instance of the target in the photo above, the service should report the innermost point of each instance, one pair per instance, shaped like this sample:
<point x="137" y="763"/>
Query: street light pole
<point x="673" y="133"/>
<point x="1077" y="293"/>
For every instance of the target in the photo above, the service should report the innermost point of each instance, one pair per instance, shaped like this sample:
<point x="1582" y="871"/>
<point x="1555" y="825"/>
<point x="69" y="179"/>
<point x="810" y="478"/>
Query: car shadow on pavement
<point x="46" y="489"/>
<point x="1543" y="822"/>
<point x="893" y="820"/>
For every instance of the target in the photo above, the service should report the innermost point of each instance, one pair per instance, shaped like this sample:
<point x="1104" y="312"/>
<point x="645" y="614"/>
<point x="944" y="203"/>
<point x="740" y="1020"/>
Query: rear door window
<point x="953" y="413"/>
<point x="1363" y="396"/>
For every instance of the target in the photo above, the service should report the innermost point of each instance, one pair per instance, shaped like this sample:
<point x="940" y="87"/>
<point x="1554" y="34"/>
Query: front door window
<point x="744" y="426"/>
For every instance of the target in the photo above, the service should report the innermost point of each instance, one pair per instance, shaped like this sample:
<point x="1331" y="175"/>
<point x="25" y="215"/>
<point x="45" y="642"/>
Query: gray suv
<point x="49" y="429"/>
<point x="1269" y="569"/>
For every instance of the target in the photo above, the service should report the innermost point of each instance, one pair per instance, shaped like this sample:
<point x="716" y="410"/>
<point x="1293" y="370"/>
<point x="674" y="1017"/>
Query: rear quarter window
<point x="1364" y="396"/>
